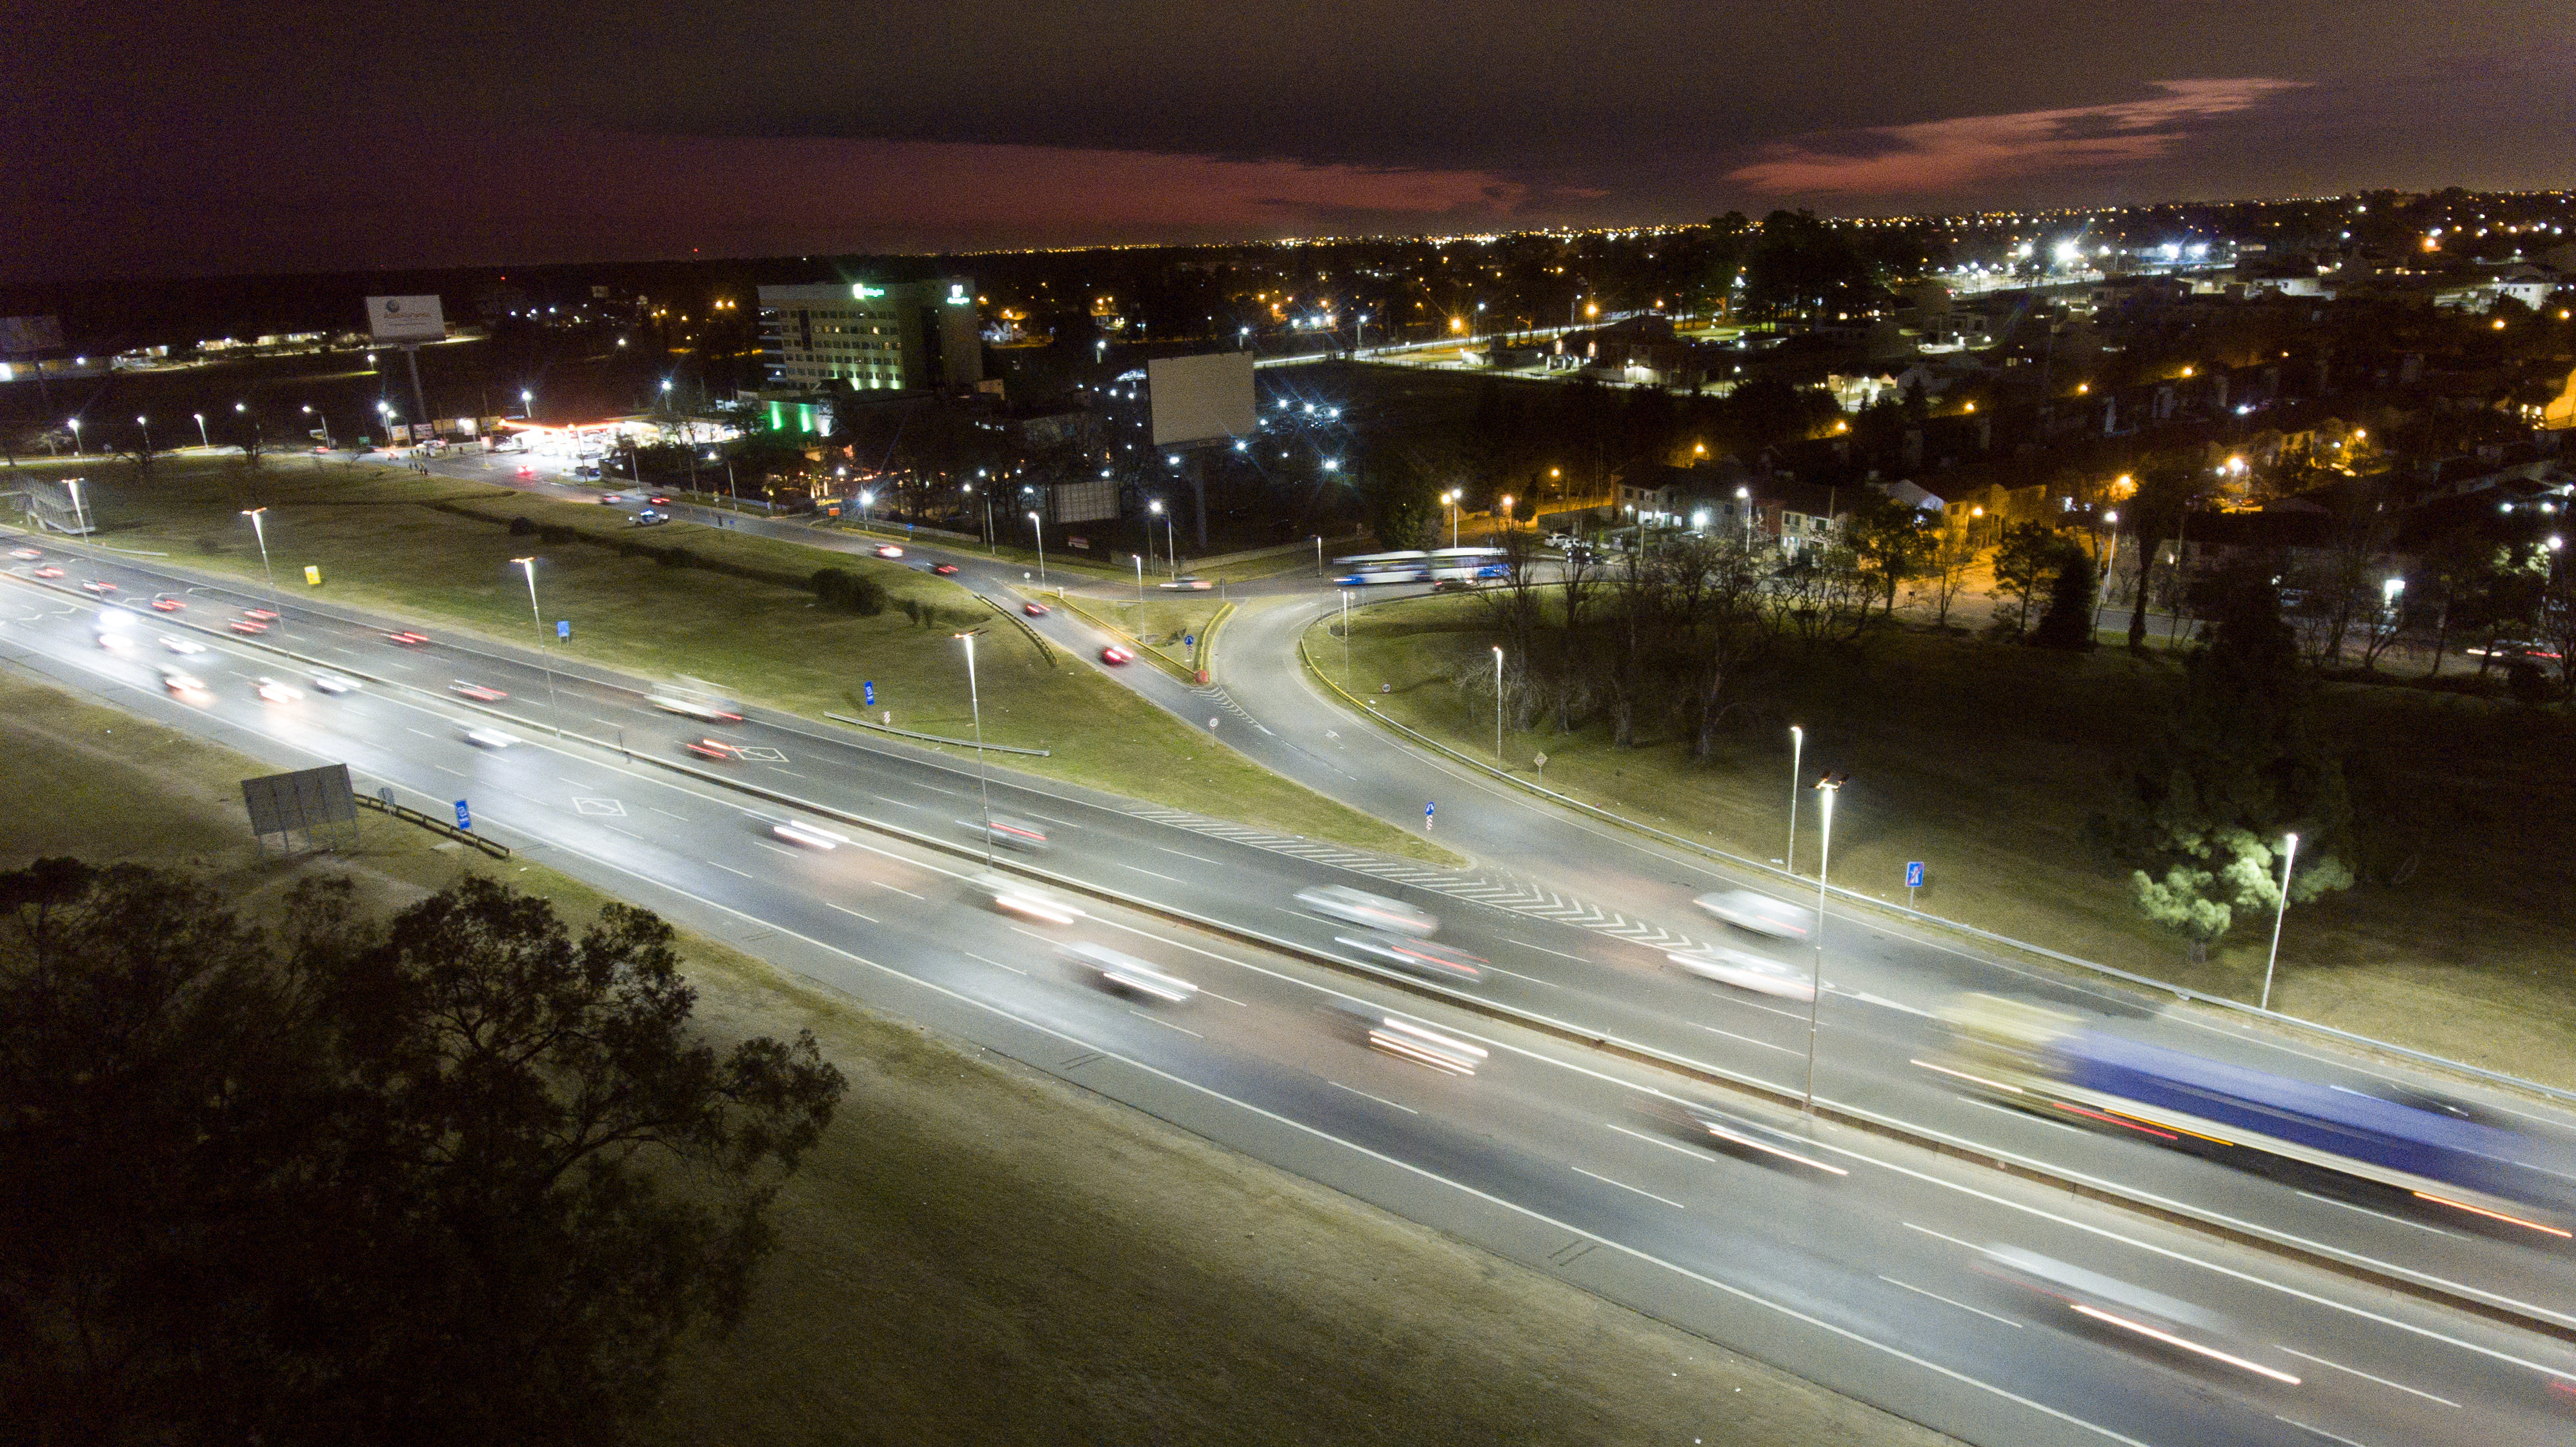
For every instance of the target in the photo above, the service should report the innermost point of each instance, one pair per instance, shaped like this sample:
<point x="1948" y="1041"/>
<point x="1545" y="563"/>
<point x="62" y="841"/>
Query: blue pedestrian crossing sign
<point x="868" y="692"/>
<point x="563" y="628"/>
<point x="464" y="817"/>
<point x="1914" y="874"/>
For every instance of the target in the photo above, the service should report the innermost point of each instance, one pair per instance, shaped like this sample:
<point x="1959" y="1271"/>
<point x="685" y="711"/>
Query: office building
<point x="917" y="336"/>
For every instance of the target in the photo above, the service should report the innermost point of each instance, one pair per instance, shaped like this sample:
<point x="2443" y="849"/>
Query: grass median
<point x="727" y="607"/>
<point x="1984" y="761"/>
<point x="979" y="1253"/>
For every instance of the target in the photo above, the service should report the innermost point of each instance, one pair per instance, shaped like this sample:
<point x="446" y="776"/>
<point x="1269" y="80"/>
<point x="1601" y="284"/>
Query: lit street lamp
<point x="2110" y="561"/>
<point x="76" y="442"/>
<point x="1828" y="786"/>
<point x="1797" y="749"/>
<point x="975" y="702"/>
<point x="1451" y="498"/>
<point x="259" y="530"/>
<point x="544" y="660"/>
<point x="2289" y="853"/>
<point x="324" y="422"/>
<point x="527" y="404"/>
<point x="80" y="515"/>
<point x="1039" y="525"/>
<point x="145" y="424"/>
<point x="1498" y="705"/>
<point x="1744" y="500"/>
<point x="203" y="440"/>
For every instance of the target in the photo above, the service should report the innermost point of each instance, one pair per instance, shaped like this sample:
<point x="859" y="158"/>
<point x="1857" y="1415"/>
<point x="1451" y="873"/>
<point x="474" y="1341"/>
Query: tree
<point x="1944" y="572"/>
<point x="1801" y="265"/>
<point x="2068" y="623"/>
<point x="2234" y="769"/>
<point x="1890" y="541"/>
<point x="2156" y="513"/>
<point x="456" y="1176"/>
<point x="2025" y="560"/>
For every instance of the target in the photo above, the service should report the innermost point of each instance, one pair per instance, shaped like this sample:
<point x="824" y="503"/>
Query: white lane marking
<point x="1542" y="949"/>
<point x="791" y="773"/>
<point x="1747" y="1039"/>
<point x="897" y="888"/>
<point x="1185" y="854"/>
<point x="460" y="773"/>
<point x="2367" y="1377"/>
<point x="424" y="733"/>
<point x="1380" y="1099"/>
<point x="1623" y="1185"/>
<point x="774" y="849"/>
<point x="996" y="964"/>
<point x="576" y="783"/>
<point x="1937" y="1236"/>
<point x="1963" y="1306"/>
<point x="1048" y="940"/>
<point x="2319" y="1431"/>
<point x="1140" y="869"/>
<point x="2382" y="1215"/>
<point x="667" y="814"/>
<point x="845" y="909"/>
<point x="729" y="869"/>
<point x="629" y="833"/>
<point x="898" y="803"/>
<point x="1229" y="999"/>
<point x="1517" y="975"/>
<point x="1700" y="1156"/>
<point x="1166" y="1024"/>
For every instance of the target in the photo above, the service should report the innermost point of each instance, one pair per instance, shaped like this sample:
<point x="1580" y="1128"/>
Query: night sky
<point x="226" y="136"/>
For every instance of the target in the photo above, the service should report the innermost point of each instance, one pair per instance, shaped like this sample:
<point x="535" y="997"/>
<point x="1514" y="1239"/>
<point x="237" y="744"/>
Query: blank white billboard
<point x="1201" y="399"/>
<point x="406" y="319"/>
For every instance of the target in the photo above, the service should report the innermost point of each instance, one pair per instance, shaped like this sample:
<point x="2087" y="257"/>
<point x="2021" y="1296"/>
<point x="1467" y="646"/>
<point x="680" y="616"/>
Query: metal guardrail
<point x="434" y="824"/>
<point x="1855" y="897"/>
<point x="936" y="738"/>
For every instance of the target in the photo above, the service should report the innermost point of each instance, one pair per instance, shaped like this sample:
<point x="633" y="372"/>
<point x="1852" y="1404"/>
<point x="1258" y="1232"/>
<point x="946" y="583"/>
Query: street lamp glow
<point x="1040" y="525"/>
<point x="202" y="439"/>
<point x="76" y="442"/>
<point x="1332" y="464"/>
<point x="1828" y="786"/>
<point x="2289" y="854"/>
<point x="259" y="531"/>
<point x="1797" y="750"/>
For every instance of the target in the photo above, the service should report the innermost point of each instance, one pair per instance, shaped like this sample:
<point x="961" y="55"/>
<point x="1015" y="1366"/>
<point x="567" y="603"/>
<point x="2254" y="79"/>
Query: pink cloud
<point x="1964" y="151"/>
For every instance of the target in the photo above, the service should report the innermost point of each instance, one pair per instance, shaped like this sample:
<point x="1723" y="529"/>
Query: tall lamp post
<point x="324" y="422"/>
<point x="1040" y="525"/>
<point x="80" y="514"/>
<point x="1346" y="640"/>
<point x="145" y="424"/>
<point x="1828" y="786"/>
<point x="203" y="440"/>
<point x="544" y="660"/>
<point x="1797" y="748"/>
<point x="2110" y="562"/>
<point x="1498" y="705"/>
<point x="1451" y="498"/>
<point x="975" y="702"/>
<point x="2289" y="854"/>
<point x="258" y="434"/>
<point x="260" y="531"/>
<point x="1744" y="500"/>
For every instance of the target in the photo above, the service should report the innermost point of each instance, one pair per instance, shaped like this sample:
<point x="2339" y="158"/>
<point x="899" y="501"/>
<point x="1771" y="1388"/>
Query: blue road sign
<point x="868" y="692"/>
<point x="464" y="819"/>
<point x="563" y="628"/>
<point x="1430" y="809"/>
<point x="1914" y="874"/>
<point x="1189" y="640"/>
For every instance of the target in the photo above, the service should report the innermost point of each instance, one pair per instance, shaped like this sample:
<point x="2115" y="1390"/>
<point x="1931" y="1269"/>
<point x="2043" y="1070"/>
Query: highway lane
<point x="1561" y="963"/>
<point x="1860" y="1280"/>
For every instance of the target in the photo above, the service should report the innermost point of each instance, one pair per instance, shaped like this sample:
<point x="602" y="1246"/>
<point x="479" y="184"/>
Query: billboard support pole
<point x="420" y="407"/>
<point x="1198" y="491"/>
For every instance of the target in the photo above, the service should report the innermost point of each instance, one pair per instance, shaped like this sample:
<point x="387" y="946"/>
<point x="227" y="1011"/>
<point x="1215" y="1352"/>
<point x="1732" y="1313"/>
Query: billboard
<point x="297" y="802"/>
<point x="406" y="319"/>
<point x="1201" y="399"/>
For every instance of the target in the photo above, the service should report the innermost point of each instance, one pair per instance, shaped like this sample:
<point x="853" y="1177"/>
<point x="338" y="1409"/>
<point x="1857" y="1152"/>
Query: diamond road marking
<point x="606" y="808"/>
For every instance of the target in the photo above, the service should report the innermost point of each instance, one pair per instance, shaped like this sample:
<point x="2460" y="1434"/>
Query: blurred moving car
<point x="479" y="692"/>
<point x="2126" y="1306"/>
<point x="248" y="627"/>
<point x="168" y="603"/>
<point x="1759" y="913"/>
<point x="182" y="645"/>
<point x="1412" y="1040"/>
<point x="1418" y="956"/>
<point x="1735" y="1132"/>
<point x="262" y="614"/>
<point x="1010" y="833"/>
<point x="490" y="738"/>
<point x="796" y="831"/>
<point x="407" y="638"/>
<point x="26" y="552"/>
<point x="1023" y="898"/>
<point x="690" y="699"/>
<point x="1371" y="911"/>
<point x="1746" y="971"/>
<point x="334" y="683"/>
<point x="527" y="472"/>
<point x="274" y="691"/>
<point x="97" y="585"/>
<point x="945" y="569"/>
<point x="658" y="501"/>
<point x="888" y="550"/>
<point x="1188" y="585"/>
<point x="1129" y="974"/>
<point x="115" y="642"/>
<point x="180" y="681"/>
<point x="711" y="748"/>
<point x="1036" y="610"/>
<point x="49" y="571"/>
<point x="1115" y="654"/>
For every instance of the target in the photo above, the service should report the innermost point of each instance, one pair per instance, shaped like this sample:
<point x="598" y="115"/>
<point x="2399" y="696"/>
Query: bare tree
<point x="1946" y="565"/>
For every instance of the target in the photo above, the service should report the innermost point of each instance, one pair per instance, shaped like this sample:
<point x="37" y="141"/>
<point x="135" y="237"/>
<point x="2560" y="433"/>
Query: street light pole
<point x="1346" y="640"/>
<point x="1827" y="786"/>
<point x="76" y="442"/>
<point x="1498" y="705"/>
<point x="975" y="701"/>
<point x="2289" y="853"/>
<point x="203" y="440"/>
<point x="1797" y="748"/>
<point x="80" y="514"/>
<point x="2110" y="563"/>
<point x="145" y="423"/>
<point x="325" y="421"/>
<point x="260" y="532"/>
<point x="1140" y="578"/>
<point x="544" y="660"/>
<point x="1040" y="525"/>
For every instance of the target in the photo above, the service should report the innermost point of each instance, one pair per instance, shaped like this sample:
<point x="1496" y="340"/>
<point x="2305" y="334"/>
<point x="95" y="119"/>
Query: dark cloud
<point x="231" y="135"/>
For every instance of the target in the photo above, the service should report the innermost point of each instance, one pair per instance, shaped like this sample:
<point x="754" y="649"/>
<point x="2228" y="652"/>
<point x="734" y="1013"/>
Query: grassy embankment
<point x="977" y="1253"/>
<point x="436" y="552"/>
<point x="1985" y="760"/>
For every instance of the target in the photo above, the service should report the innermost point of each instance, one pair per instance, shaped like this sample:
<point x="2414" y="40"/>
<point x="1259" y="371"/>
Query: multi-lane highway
<point x="1878" y="1281"/>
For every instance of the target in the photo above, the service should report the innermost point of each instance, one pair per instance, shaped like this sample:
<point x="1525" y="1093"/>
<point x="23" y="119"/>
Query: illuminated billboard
<point x="406" y="319"/>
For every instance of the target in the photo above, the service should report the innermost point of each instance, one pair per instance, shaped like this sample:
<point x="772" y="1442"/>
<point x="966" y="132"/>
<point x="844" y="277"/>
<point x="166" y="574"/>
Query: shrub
<point x="521" y="527"/>
<point x="2525" y="681"/>
<point x="555" y="533"/>
<point x="633" y="550"/>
